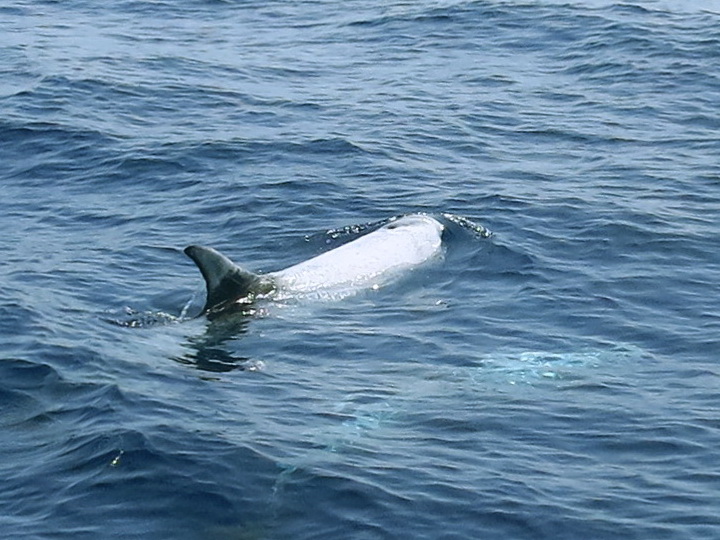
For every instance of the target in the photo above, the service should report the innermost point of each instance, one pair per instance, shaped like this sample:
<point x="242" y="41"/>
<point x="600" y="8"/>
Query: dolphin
<point x="364" y="263"/>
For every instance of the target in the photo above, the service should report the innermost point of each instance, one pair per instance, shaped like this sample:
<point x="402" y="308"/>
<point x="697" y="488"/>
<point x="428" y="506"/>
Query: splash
<point x="351" y="230"/>
<point x="469" y="225"/>
<point x="183" y="313"/>
<point x="131" y="318"/>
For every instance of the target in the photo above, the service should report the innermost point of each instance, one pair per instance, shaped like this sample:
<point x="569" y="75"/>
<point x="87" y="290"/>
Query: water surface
<point x="554" y="380"/>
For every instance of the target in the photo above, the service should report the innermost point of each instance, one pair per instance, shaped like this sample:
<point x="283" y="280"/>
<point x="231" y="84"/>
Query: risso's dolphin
<point x="366" y="262"/>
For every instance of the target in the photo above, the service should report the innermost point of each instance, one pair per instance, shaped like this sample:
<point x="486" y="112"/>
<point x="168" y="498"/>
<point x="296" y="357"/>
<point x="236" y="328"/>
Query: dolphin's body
<point x="367" y="262"/>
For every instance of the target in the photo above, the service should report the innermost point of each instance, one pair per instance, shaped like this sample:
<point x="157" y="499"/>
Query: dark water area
<point x="557" y="379"/>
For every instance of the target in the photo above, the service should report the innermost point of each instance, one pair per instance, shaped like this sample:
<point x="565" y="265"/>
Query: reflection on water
<point x="209" y="351"/>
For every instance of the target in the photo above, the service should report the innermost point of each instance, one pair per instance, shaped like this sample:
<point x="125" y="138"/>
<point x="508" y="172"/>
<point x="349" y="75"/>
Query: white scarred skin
<point x="366" y="262"/>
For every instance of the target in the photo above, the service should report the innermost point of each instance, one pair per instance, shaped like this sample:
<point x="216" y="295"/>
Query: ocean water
<point x="556" y="379"/>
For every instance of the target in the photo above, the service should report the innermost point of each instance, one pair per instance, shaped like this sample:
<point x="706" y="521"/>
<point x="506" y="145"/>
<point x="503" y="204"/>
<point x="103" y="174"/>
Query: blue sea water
<point x="558" y="379"/>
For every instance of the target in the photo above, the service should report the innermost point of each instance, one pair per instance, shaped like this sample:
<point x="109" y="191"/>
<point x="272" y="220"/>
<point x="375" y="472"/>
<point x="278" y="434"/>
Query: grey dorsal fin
<point x="226" y="282"/>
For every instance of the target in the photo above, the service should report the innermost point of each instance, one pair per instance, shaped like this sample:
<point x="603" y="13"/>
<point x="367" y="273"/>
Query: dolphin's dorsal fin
<point x="226" y="282"/>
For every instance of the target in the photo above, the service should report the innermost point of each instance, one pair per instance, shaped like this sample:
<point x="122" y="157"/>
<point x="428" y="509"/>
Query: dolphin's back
<point x="367" y="261"/>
